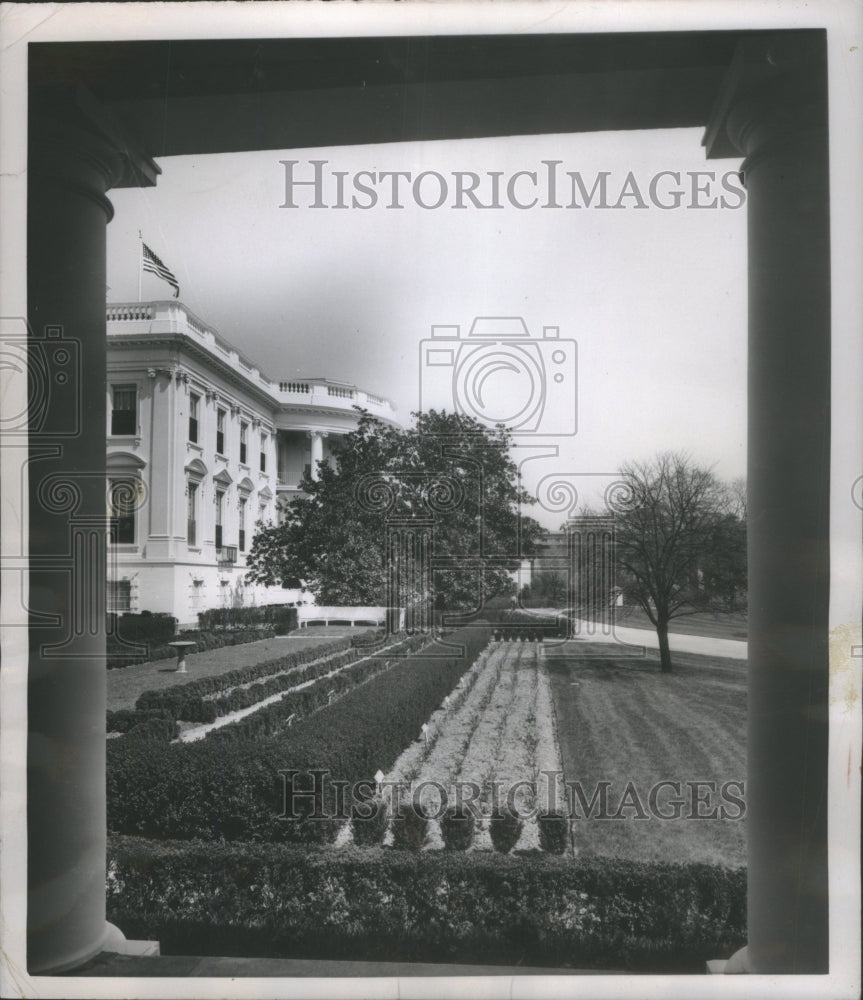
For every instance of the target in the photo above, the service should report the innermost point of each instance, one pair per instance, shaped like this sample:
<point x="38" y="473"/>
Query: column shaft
<point x="317" y="451"/>
<point x="67" y="212"/>
<point x="781" y="126"/>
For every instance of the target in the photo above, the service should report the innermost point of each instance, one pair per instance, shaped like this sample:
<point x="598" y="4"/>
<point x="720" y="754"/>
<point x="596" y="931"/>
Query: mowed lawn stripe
<point x="625" y="721"/>
<point x="704" y="753"/>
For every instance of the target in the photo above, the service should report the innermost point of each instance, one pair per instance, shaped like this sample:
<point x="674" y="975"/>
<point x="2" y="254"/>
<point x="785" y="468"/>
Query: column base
<point x="112" y="940"/>
<point x="738" y="964"/>
<point x="117" y="943"/>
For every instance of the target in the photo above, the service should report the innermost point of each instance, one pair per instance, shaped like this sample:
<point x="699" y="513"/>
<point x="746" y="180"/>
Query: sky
<point x="654" y="298"/>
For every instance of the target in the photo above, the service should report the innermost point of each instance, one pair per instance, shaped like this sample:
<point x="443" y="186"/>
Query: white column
<point x="774" y="110"/>
<point x="69" y="172"/>
<point x="317" y="450"/>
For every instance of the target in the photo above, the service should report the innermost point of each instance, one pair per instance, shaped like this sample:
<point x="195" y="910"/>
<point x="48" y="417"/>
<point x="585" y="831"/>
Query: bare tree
<point x="680" y="541"/>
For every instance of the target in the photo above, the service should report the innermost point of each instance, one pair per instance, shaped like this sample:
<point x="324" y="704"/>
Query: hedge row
<point x="283" y="617"/>
<point x="521" y="634"/>
<point x="124" y="720"/>
<point x="232" y="788"/>
<point x="273" y="718"/>
<point x="173" y="699"/>
<point x="118" y="656"/>
<point x="518" y="616"/>
<point x="436" y="906"/>
<point x="241" y="698"/>
<point x="145" y="627"/>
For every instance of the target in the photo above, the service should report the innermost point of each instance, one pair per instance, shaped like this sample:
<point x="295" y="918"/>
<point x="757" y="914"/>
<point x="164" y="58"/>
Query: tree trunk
<point x="664" y="649"/>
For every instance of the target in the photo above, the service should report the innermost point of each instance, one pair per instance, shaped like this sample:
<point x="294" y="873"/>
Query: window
<point x="263" y="452"/>
<point x="242" y="520"/>
<point x="119" y="595"/>
<point x="192" y="514"/>
<point x="220" y="432"/>
<point x="244" y="430"/>
<point x="124" y="411"/>
<point x="220" y="509"/>
<point x="194" y="402"/>
<point x="123" y="500"/>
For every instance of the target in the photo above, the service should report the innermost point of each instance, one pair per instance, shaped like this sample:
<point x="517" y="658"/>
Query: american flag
<point x="150" y="262"/>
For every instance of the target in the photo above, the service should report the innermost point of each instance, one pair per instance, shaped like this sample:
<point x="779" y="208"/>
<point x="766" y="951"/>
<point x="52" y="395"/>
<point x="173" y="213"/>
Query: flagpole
<point x="140" y="262"/>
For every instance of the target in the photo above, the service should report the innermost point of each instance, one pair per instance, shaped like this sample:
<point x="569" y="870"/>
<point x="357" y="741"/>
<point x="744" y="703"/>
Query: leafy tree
<point x="680" y="541"/>
<point x="447" y="467"/>
<point x="548" y="587"/>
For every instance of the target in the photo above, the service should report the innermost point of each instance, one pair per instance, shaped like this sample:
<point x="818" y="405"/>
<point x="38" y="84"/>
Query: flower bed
<point x="500" y="731"/>
<point x="540" y="910"/>
<point x="220" y="788"/>
<point x="548" y="766"/>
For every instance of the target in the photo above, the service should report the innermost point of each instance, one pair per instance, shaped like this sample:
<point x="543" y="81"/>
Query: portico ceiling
<point x="181" y="97"/>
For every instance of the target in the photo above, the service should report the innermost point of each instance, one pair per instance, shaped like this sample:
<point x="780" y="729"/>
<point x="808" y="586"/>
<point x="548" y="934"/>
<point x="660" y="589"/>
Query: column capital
<point x="93" y="129"/>
<point x="774" y="92"/>
<point x="76" y="160"/>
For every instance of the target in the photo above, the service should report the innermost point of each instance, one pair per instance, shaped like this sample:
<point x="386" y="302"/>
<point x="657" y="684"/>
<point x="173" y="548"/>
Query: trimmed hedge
<point x="553" y="832"/>
<point x="435" y="906"/>
<point x="154" y="729"/>
<point x="410" y="827"/>
<point x="172" y="700"/>
<point x="222" y="788"/>
<point x="514" y="624"/>
<point x="186" y="701"/>
<point x="505" y="829"/>
<point x="456" y="827"/>
<point x="125" y="719"/>
<point x="273" y="718"/>
<point x="119" y="656"/>
<point x="146" y="627"/>
<point x="369" y="826"/>
<point x="281" y="616"/>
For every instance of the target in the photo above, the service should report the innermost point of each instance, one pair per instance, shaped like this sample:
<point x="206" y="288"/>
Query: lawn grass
<point x="126" y="684"/>
<point x="719" y="626"/>
<point x="622" y="720"/>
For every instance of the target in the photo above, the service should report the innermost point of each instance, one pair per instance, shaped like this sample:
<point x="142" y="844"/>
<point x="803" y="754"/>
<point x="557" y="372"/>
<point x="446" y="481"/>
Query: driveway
<point x="734" y="649"/>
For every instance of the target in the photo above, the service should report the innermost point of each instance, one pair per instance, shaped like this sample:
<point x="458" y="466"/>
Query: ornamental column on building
<point x="317" y="438"/>
<point x="74" y="159"/>
<point x="773" y="110"/>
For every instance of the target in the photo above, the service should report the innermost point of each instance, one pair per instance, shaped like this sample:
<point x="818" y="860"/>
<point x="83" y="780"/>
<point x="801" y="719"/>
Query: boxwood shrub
<point x="505" y="829"/>
<point x="430" y="906"/>
<point x="410" y="827"/>
<point x="369" y="825"/>
<point x="553" y="832"/>
<point x="456" y="827"/>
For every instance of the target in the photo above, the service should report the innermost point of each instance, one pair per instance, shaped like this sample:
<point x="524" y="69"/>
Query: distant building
<point x="201" y="446"/>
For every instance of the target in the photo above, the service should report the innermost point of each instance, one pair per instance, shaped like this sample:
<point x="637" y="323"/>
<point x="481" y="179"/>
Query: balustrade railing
<point x="124" y="312"/>
<point x="179" y="319"/>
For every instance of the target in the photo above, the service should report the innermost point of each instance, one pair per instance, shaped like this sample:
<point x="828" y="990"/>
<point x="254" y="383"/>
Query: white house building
<point x="201" y="447"/>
